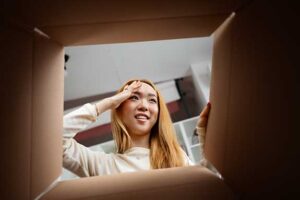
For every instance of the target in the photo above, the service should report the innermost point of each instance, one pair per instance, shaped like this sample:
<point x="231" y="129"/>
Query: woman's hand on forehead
<point x="117" y="99"/>
<point x="133" y="86"/>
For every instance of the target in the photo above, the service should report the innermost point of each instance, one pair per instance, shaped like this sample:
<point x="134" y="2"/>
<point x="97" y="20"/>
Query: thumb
<point x="119" y="98"/>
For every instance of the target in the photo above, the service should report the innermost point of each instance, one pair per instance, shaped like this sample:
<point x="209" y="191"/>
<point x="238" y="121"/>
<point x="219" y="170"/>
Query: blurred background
<point x="180" y="68"/>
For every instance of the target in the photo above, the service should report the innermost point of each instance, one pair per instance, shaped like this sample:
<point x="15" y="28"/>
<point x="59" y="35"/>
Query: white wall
<point x="98" y="69"/>
<point x="201" y="73"/>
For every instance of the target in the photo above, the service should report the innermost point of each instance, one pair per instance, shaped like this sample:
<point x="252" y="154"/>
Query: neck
<point x="140" y="141"/>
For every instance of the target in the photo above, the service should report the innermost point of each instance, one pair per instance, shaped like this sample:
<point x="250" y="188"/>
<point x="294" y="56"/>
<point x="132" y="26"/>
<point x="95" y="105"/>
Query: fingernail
<point x="208" y="103"/>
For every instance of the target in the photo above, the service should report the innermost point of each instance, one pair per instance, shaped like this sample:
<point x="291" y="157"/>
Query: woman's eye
<point x="134" y="98"/>
<point x="153" y="100"/>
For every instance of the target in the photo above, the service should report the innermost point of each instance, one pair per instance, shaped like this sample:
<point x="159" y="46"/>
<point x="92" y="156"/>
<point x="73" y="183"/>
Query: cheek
<point x="154" y="112"/>
<point x="126" y="107"/>
<point x="125" y="110"/>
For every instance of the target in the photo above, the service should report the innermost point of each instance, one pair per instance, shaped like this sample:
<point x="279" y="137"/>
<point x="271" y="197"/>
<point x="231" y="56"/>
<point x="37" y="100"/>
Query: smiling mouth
<point x="141" y="117"/>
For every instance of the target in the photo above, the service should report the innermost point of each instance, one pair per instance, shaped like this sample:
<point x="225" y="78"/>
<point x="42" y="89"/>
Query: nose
<point x="143" y="106"/>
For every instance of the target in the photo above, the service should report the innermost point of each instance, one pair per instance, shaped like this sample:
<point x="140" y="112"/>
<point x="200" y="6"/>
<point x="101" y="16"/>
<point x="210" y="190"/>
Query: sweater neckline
<point x="137" y="150"/>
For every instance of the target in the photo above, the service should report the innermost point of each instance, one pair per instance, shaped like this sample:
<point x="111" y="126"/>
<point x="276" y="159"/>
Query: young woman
<point x="142" y="129"/>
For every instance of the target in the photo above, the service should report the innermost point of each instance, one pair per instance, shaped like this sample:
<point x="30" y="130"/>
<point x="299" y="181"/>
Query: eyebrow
<point x="149" y="94"/>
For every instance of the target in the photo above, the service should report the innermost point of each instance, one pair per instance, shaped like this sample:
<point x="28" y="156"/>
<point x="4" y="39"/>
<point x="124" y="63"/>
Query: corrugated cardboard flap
<point x="176" y="183"/>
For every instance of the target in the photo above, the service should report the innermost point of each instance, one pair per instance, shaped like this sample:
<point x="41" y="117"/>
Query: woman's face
<point x="140" y="111"/>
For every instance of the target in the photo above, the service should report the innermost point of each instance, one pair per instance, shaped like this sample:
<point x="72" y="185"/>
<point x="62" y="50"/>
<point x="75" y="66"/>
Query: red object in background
<point x="94" y="135"/>
<point x="173" y="107"/>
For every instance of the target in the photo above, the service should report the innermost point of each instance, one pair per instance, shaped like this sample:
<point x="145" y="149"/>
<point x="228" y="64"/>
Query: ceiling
<point x="99" y="69"/>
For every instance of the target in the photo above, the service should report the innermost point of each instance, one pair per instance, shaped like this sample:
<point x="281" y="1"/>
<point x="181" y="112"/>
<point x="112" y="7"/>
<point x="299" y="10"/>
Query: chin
<point x="141" y="132"/>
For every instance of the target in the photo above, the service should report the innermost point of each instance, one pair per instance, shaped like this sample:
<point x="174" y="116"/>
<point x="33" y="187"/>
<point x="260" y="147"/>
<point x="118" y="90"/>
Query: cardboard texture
<point x="47" y="101"/>
<point x="252" y="133"/>
<point x="102" y="22"/>
<point x="102" y="11"/>
<point x="31" y="88"/>
<point x="16" y="111"/>
<point x="137" y="30"/>
<point x="251" y="126"/>
<point x="175" y="183"/>
<point x="19" y="12"/>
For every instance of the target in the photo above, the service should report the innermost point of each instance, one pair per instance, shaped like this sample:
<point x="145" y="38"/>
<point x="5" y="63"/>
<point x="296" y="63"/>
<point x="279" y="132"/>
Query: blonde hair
<point x="165" y="150"/>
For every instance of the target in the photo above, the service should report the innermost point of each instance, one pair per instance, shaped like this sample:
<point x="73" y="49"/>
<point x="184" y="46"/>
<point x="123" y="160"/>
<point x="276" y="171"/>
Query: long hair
<point x="165" y="150"/>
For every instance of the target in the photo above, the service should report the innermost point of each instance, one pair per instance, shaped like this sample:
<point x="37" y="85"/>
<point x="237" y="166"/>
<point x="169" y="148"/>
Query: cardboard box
<point x="252" y="134"/>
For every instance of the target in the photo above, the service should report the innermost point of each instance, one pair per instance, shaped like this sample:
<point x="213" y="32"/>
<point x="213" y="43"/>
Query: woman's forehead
<point x="146" y="89"/>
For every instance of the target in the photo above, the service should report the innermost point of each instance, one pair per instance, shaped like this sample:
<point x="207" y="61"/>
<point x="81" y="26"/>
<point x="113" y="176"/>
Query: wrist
<point x="103" y="105"/>
<point x="97" y="110"/>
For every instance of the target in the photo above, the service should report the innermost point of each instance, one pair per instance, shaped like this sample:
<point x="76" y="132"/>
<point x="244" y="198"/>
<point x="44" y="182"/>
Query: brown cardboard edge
<point x="215" y="95"/>
<point x="47" y="113"/>
<point x="93" y="12"/>
<point x="16" y="110"/>
<point x="176" y="183"/>
<point x="262" y="161"/>
<point x="134" y="31"/>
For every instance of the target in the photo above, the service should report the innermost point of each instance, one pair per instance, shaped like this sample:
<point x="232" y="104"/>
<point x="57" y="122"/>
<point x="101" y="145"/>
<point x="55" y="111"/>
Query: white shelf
<point x="185" y="132"/>
<point x="195" y="145"/>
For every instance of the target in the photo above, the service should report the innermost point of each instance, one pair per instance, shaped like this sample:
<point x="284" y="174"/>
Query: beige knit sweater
<point x="84" y="162"/>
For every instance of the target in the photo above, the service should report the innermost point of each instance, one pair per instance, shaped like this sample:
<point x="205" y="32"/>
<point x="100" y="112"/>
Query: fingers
<point x="202" y="123"/>
<point x="203" y="118"/>
<point x="205" y="111"/>
<point x="117" y="99"/>
<point x="133" y="86"/>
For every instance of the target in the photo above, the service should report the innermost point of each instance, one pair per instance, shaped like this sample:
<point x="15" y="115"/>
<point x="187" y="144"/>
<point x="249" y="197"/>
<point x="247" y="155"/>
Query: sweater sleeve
<point x="78" y="120"/>
<point x="76" y="157"/>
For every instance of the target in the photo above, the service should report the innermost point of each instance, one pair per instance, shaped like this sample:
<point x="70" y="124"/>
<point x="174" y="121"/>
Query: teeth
<point x="141" y="117"/>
